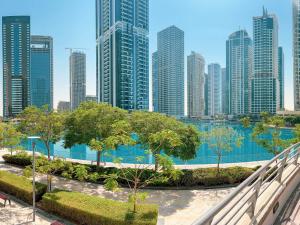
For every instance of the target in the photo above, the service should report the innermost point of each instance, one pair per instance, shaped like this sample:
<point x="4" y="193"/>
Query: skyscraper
<point x="122" y="29"/>
<point x="296" y="53"/>
<point x="214" y="89"/>
<point x="281" y="76"/>
<point x="170" y="49"/>
<point x="224" y="92"/>
<point x="206" y="94"/>
<point x="77" y="79"/>
<point x="265" y="82"/>
<point x="195" y="85"/>
<point x="155" y="81"/>
<point x="16" y="64"/>
<point x="42" y="71"/>
<point x="239" y="70"/>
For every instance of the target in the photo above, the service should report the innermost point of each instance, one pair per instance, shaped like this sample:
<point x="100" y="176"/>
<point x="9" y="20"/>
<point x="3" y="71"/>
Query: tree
<point x="44" y="166"/>
<point x="136" y="178"/>
<point x="267" y="134"/>
<point x="48" y="125"/>
<point x="222" y="139"/>
<point x="245" y="122"/>
<point x="98" y="126"/>
<point x="11" y="136"/>
<point x="147" y="125"/>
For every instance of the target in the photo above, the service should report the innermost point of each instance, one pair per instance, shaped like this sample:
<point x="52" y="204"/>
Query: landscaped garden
<point x="104" y="128"/>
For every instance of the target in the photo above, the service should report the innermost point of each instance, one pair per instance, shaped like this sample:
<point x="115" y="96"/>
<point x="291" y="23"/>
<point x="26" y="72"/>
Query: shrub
<point x="20" y="187"/>
<point x="20" y="159"/>
<point x="189" y="178"/>
<point x="85" y="209"/>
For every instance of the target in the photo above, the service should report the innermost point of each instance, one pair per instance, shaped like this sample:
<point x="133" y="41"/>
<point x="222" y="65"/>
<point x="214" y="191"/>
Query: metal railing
<point x="243" y="200"/>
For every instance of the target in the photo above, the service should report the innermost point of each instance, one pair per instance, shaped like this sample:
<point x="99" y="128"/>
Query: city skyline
<point x="193" y="41"/>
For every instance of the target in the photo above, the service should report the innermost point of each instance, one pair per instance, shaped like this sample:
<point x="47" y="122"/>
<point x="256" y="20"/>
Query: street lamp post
<point x="33" y="138"/>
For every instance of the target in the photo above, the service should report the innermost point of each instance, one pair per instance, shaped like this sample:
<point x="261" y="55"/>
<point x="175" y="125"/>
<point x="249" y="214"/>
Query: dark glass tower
<point x="122" y="28"/>
<point x="16" y="64"/>
<point x="42" y="71"/>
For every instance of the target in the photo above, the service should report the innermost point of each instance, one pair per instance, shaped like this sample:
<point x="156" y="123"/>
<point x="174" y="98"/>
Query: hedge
<point x="189" y="178"/>
<point x="91" y="210"/>
<point x="20" y="187"/>
<point x="20" y="159"/>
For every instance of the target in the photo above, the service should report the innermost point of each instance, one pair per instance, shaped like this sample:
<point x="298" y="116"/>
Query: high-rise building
<point x="224" y="92"/>
<point x="214" y="89"/>
<point x="206" y="94"/>
<point x="296" y="53"/>
<point x="91" y="98"/>
<point x="77" y="79"/>
<point x="122" y="29"/>
<point x="265" y="82"/>
<point x="281" y="76"/>
<point x="170" y="49"/>
<point x="63" y="106"/>
<point x="41" y="71"/>
<point x="239" y="71"/>
<point x="155" y="81"/>
<point x="195" y="85"/>
<point x="16" y="64"/>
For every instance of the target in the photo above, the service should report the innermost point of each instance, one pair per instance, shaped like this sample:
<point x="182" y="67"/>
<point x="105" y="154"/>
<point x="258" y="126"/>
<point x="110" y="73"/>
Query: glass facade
<point x="122" y="29"/>
<point x="296" y="53"/>
<point x="214" y="91"/>
<point x="42" y="71"/>
<point x="16" y="64"/>
<point x="239" y="70"/>
<point x="155" y="81"/>
<point x="195" y="85"/>
<point x="265" y="83"/>
<point x="281" y="76"/>
<point x="77" y="79"/>
<point x="170" y="48"/>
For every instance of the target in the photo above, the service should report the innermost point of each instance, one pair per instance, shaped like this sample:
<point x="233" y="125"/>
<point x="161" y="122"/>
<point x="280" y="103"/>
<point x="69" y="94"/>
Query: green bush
<point x="85" y="209"/>
<point x="189" y="178"/>
<point x="20" y="159"/>
<point x="20" y="187"/>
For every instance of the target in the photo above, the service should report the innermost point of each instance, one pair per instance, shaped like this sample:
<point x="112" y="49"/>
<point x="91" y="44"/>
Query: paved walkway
<point x="290" y="215"/>
<point x="175" y="206"/>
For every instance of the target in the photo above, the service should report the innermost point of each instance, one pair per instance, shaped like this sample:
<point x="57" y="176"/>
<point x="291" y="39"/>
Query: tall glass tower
<point x="42" y="71"/>
<point x="16" y="64"/>
<point x="224" y="92"/>
<point x="170" y="48"/>
<point x="214" y="87"/>
<point x="195" y="84"/>
<point x="265" y="83"/>
<point x="155" y="81"/>
<point x="296" y="53"/>
<point x="77" y="79"/>
<point x="239" y="70"/>
<point x="281" y="76"/>
<point x="122" y="29"/>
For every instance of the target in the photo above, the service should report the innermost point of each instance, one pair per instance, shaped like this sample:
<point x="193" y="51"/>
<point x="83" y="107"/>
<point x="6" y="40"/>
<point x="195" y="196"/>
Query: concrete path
<point x="176" y="207"/>
<point x="290" y="215"/>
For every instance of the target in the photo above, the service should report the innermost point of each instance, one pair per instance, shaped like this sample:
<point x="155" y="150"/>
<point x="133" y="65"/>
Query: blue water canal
<point x="249" y="151"/>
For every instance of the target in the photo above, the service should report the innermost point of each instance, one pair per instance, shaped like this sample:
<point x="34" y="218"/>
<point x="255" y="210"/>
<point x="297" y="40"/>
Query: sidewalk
<point x="175" y="206"/>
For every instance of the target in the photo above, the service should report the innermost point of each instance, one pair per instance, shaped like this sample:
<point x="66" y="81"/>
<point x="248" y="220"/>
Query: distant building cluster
<point x="252" y="80"/>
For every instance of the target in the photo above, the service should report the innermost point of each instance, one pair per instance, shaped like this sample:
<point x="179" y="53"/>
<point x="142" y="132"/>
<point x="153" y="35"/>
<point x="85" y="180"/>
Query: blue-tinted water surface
<point x="249" y="151"/>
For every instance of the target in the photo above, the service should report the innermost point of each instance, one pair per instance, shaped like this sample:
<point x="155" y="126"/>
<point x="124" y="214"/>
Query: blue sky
<point x="207" y="24"/>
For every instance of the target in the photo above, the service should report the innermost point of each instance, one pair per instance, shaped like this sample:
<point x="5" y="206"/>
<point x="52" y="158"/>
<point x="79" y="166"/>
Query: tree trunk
<point x="218" y="168"/>
<point x="98" y="158"/>
<point x="48" y="150"/>
<point x="156" y="161"/>
<point x="11" y="151"/>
